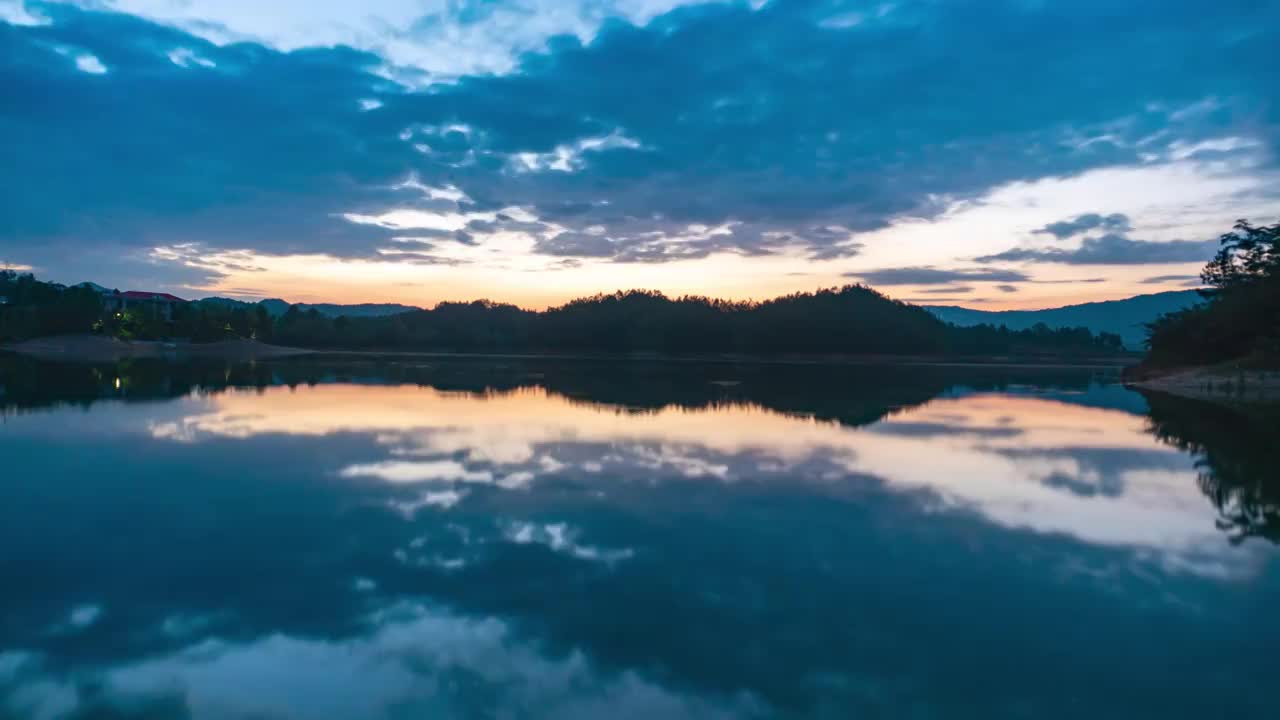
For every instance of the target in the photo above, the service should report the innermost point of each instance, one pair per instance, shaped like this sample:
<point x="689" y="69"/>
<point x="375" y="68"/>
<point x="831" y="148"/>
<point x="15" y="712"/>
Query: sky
<point x="995" y="154"/>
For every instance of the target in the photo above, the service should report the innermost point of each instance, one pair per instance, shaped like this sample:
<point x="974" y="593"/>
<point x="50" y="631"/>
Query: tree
<point x="1241" y="319"/>
<point x="1249" y="254"/>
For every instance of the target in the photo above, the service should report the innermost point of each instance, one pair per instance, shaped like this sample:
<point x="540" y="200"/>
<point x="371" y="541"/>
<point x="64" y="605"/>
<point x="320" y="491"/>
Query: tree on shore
<point x="1240" y="319"/>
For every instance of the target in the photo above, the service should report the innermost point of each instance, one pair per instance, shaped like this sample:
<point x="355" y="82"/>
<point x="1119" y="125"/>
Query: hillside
<point x="1126" y="318"/>
<point x="850" y="320"/>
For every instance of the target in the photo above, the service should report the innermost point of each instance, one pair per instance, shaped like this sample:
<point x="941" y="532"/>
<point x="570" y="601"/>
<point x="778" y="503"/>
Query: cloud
<point x="1007" y="288"/>
<point x="423" y="41"/>
<point x="1187" y="280"/>
<point x="638" y="241"/>
<point x="1071" y="281"/>
<point x="1113" y="249"/>
<point x="574" y="244"/>
<point x="948" y="289"/>
<point x="929" y="275"/>
<point x="507" y="224"/>
<point x="774" y="133"/>
<point x="1064" y="229"/>
<point x="260" y="151"/>
<point x="398" y="471"/>
<point x="931" y="429"/>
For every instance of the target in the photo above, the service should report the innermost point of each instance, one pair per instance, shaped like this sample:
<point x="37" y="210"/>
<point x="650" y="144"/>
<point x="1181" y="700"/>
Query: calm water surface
<point x="521" y="539"/>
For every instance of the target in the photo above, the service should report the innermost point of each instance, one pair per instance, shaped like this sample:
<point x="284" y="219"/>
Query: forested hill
<point x="1127" y="318"/>
<point x="849" y="320"/>
<point x="853" y="320"/>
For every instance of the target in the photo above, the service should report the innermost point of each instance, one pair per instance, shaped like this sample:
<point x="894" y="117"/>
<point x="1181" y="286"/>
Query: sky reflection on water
<point x="365" y="547"/>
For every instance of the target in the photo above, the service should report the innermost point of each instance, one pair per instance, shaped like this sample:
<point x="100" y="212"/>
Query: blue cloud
<point x="785" y="126"/>
<point x="936" y="276"/>
<point x="1113" y="249"/>
<point x="1184" y="280"/>
<point x="259" y="151"/>
<point x="948" y="290"/>
<point x="1116" y="222"/>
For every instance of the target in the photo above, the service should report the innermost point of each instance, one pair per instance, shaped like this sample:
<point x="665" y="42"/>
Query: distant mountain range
<point x="277" y="307"/>
<point x="1125" y="318"/>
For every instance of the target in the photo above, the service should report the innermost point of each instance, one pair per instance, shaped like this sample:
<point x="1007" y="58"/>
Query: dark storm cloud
<point x="936" y="276"/>
<point x="768" y="122"/>
<point x="1113" y="249"/>
<point x="1064" y="229"/>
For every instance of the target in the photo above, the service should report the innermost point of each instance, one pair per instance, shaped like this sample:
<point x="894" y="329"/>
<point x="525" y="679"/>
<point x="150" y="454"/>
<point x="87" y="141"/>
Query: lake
<point x="521" y="538"/>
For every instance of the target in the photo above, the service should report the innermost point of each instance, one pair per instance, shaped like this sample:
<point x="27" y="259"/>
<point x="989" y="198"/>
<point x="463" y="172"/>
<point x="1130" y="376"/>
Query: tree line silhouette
<point x="31" y="308"/>
<point x="849" y="320"/>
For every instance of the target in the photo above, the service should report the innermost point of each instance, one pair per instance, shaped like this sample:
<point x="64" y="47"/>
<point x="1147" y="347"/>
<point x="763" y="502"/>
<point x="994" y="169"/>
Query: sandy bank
<point x="1223" y="385"/>
<point x="95" y="348"/>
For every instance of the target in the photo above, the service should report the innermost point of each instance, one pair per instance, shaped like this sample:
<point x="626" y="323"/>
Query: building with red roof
<point x="158" y="303"/>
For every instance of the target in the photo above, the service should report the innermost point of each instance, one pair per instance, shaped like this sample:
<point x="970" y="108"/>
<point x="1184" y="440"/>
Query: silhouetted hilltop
<point x="850" y="320"/>
<point x="853" y="320"/>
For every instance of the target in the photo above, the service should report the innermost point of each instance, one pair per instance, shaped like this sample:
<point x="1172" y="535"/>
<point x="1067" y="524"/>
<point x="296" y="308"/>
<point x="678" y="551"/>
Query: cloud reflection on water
<point x="757" y="551"/>
<point x="1093" y="473"/>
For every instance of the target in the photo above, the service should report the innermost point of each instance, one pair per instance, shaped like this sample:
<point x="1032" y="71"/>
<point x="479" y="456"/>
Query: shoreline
<point x="730" y="358"/>
<point x="97" y="349"/>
